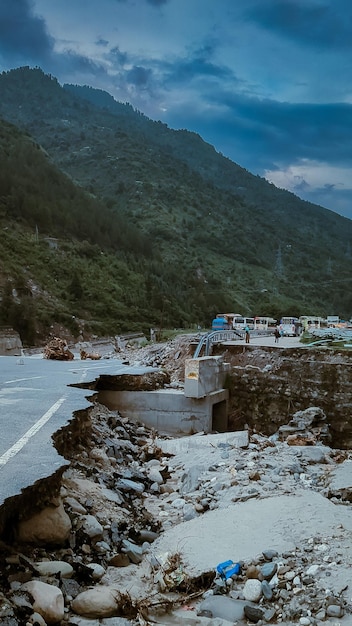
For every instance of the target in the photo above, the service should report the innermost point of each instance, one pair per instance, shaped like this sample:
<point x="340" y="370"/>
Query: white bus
<point x="240" y="322"/>
<point x="310" y="322"/>
<point x="289" y="326"/>
<point x="264" y="323"/>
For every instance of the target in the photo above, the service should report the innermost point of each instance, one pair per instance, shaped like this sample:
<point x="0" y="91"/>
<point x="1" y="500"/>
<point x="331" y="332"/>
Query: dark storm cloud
<point x="265" y="131"/>
<point x="117" y="57"/>
<point x="139" y="76"/>
<point x="75" y="63"/>
<point x="24" y="40"/>
<point x="23" y="35"/>
<point x="315" y="24"/>
<point x="295" y="130"/>
<point x="197" y="66"/>
<point x="102" y="42"/>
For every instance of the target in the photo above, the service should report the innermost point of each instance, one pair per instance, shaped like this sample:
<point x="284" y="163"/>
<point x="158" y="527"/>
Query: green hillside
<point x="152" y="226"/>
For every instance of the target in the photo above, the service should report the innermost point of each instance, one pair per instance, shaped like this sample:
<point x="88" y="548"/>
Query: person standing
<point x="247" y="334"/>
<point x="277" y="335"/>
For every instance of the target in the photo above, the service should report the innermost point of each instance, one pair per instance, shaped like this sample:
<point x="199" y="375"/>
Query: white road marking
<point x="93" y="367"/>
<point x="11" y="452"/>
<point x="19" y="380"/>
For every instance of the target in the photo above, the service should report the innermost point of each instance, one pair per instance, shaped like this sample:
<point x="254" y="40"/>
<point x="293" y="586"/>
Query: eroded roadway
<point x="36" y="401"/>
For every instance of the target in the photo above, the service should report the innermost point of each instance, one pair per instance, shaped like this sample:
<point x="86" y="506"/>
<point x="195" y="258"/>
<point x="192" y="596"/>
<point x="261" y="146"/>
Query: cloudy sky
<point x="267" y="82"/>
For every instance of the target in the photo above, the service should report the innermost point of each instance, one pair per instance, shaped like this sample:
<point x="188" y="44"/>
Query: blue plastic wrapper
<point x="228" y="569"/>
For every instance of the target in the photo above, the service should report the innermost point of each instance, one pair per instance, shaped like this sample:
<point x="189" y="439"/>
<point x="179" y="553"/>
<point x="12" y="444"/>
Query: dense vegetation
<point x="114" y="222"/>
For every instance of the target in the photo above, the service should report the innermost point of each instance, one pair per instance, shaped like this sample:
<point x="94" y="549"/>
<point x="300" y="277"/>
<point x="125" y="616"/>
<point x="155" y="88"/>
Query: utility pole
<point x="279" y="266"/>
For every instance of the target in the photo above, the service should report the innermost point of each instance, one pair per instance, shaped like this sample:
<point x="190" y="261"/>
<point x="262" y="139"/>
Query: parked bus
<point x="289" y="326"/>
<point x="309" y="322"/>
<point x="232" y="321"/>
<point x="223" y="321"/>
<point x="220" y="322"/>
<point x="264" y="323"/>
<point x="239" y="322"/>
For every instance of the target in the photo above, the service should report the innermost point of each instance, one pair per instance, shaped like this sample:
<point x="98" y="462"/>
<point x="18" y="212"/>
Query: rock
<point x="252" y="590"/>
<point x="312" y="570"/>
<point x="253" y="613"/>
<point x="314" y="454"/>
<point x="51" y="568"/>
<point x="252" y="572"/>
<point x="112" y="496"/>
<point x="269" y="614"/>
<point x="134" y="552"/>
<point x="102" y="547"/>
<point x="223" y="607"/>
<point x="267" y="590"/>
<point x="51" y="526"/>
<point x="36" y="619"/>
<point x="98" y="570"/>
<point x="268" y="570"/>
<point x="119" y="560"/>
<point x="147" y="535"/>
<point x="155" y="476"/>
<point x="96" y="603"/>
<point x="75" y="506"/>
<point x="189" y="512"/>
<point x="130" y="485"/>
<point x="269" y="555"/>
<point x="70" y="587"/>
<point x="92" y="527"/>
<point x="178" y="503"/>
<point x="48" y="600"/>
<point x="334" y="610"/>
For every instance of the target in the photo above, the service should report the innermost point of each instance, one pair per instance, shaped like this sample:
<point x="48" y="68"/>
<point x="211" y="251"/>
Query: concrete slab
<point x="242" y="531"/>
<point x="169" y="411"/>
<point x="199" y="445"/>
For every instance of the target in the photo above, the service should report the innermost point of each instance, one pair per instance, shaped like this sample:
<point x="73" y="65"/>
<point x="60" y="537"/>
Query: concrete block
<point x="204" y="375"/>
<point x="169" y="411"/>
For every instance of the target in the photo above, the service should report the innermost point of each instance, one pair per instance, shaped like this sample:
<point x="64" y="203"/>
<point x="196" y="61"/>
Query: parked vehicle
<point x="224" y="321"/>
<point x="239" y="322"/>
<point x="264" y="323"/>
<point x="221" y="322"/>
<point x="309" y="322"/>
<point x="289" y="326"/>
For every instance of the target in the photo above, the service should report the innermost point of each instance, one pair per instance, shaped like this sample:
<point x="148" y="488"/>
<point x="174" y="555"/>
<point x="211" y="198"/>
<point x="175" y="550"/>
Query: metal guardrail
<point x="216" y="336"/>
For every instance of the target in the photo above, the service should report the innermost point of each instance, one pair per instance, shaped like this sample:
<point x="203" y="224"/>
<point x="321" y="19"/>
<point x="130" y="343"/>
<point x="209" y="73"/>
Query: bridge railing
<point x="216" y="336"/>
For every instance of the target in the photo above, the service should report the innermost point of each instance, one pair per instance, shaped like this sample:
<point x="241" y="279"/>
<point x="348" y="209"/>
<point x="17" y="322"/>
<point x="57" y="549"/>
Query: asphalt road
<point x="35" y="402"/>
<point x="269" y="340"/>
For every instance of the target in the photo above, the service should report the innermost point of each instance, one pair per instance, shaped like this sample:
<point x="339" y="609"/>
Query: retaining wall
<point x="265" y="397"/>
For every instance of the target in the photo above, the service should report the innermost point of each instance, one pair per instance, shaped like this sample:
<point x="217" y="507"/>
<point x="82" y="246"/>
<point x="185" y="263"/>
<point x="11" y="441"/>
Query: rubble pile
<point x="57" y="349"/>
<point x="94" y="356"/>
<point x="170" y="355"/>
<point x="212" y="530"/>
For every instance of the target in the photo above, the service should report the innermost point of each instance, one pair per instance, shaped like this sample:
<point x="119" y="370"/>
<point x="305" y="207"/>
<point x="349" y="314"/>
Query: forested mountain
<point x="151" y="226"/>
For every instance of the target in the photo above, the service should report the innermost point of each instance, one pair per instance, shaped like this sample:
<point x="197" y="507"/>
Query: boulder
<point x="51" y="568"/>
<point x="48" y="600"/>
<point x="97" y="603"/>
<point x="51" y="526"/>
